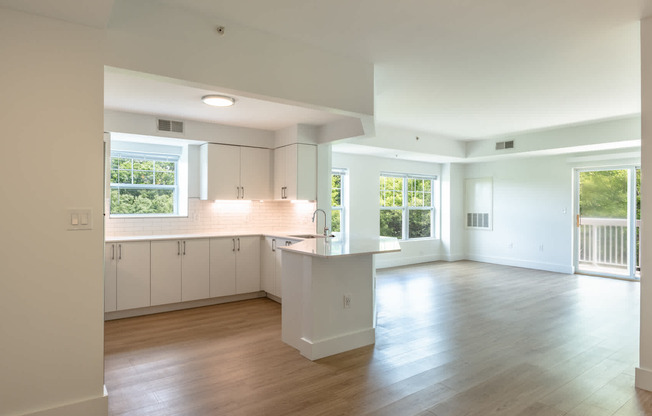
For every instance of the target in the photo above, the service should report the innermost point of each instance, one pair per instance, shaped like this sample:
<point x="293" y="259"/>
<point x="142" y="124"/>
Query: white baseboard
<point x="505" y="261"/>
<point x="97" y="406"/>
<point x="643" y="379"/>
<point x="314" y="350"/>
<point x="384" y="263"/>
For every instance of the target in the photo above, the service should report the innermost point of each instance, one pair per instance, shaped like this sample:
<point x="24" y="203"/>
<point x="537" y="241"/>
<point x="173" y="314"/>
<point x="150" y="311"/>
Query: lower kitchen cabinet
<point x="180" y="271"/>
<point x="234" y="265"/>
<point x="271" y="265"/>
<point x="126" y="275"/>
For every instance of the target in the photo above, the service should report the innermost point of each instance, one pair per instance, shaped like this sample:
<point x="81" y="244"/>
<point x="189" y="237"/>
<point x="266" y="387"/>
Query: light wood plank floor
<point x="453" y="339"/>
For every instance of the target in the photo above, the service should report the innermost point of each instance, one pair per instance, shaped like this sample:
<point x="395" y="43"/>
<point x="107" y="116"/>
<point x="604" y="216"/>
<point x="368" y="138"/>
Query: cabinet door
<point x="219" y="171"/>
<point x="268" y="265"/>
<point x="291" y="171"/>
<point x="195" y="276"/>
<point x="222" y="266"/>
<point x="279" y="172"/>
<point x="133" y="277"/>
<point x="248" y="265"/>
<point x="255" y="173"/>
<point x="110" y="269"/>
<point x="166" y="272"/>
<point x="304" y="173"/>
<point x="277" y="270"/>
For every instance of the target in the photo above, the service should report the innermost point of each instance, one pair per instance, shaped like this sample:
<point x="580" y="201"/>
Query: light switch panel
<point x="79" y="219"/>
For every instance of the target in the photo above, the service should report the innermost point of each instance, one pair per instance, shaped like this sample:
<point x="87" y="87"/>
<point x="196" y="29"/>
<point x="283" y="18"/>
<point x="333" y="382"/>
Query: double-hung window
<point x="338" y="213"/>
<point x="144" y="183"/>
<point x="407" y="206"/>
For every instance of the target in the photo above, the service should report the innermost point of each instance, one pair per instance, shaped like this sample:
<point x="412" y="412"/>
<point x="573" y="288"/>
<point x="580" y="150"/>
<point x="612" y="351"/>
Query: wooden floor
<point x="452" y="339"/>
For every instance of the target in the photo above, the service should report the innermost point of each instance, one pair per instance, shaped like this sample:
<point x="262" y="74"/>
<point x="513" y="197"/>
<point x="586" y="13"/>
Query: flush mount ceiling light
<point x="218" y="100"/>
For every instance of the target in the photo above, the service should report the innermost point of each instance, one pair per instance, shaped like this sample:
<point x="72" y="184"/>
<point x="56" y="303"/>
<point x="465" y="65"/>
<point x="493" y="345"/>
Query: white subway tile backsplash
<point x="223" y="216"/>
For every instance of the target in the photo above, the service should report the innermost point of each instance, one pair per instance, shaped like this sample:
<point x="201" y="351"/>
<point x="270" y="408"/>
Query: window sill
<point x="415" y="240"/>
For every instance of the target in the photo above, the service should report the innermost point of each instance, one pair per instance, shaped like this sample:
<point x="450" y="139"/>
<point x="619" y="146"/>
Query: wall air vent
<point x="505" y="145"/>
<point x="170" y="126"/>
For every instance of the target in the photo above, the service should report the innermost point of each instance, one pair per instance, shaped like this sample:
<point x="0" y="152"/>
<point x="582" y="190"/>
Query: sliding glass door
<point x="607" y="220"/>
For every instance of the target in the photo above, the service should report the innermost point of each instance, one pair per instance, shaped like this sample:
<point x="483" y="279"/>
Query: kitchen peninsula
<point x="328" y="289"/>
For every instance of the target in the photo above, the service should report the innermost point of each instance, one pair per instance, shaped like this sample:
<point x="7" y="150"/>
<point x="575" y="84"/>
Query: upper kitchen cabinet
<point x="295" y="172"/>
<point x="234" y="172"/>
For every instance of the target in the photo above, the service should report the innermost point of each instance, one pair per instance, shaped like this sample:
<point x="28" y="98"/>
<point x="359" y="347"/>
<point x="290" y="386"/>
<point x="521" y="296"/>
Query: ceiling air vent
<point x="170" y="126"/>
<point x="505" y="145"/>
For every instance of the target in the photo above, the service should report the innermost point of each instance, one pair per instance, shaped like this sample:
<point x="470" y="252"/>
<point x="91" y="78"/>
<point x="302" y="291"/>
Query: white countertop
<point x="336" y="246"/>
<point x="281" y="234"/>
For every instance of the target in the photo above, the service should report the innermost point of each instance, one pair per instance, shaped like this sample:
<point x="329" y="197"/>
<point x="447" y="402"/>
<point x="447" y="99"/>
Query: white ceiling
<point x="146" y="94"/>
<point x="471" y="69"/>
<point x="466" y="69"/>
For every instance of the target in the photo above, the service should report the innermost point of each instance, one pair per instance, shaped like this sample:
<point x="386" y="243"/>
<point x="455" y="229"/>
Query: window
<point x="144" y="183"/>
<point x="338" y="179"/>
<point x="407" y="206"/>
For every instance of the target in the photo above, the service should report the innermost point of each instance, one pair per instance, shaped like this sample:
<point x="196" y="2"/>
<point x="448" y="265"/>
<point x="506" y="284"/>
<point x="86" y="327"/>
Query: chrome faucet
<point x="314" y="214"/>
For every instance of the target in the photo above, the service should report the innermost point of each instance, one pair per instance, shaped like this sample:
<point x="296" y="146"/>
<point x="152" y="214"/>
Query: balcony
<point x="603" y="247"/>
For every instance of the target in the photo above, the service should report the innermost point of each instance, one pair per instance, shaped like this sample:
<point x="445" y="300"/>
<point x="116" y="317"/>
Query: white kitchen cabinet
<point x="180" y="271"/>
<point x="268" y="264"/>
<point x="271" y="264"/>
<point x="126" y="275"/>
<point x="295" y="172"/>
<point x="234" y="265"/>
<point x="256" y="173"/>
<point x="195" y="276"/>
<point x="166" y="272"/>
<point x="110" y="277"/>
<point x="234" y="172"/>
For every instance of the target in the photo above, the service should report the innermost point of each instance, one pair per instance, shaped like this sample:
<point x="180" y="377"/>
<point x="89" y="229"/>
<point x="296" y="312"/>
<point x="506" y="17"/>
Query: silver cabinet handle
<point x="184" y="248"/>
<point x="233" y="239"/>
<point x="238" y="193"/>
<point x="112" y="251"/>
<point x="238" y="243"/>
<point x="178" y="248"/>
<point x="243" y="192"/>
<point x="273" y="244"/>
<point x="119" y="251"/>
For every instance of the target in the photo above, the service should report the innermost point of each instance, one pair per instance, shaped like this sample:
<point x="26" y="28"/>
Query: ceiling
<point x="147" y="94"/>
<point x="471" y="69"/>
<point x="463" y="69"/>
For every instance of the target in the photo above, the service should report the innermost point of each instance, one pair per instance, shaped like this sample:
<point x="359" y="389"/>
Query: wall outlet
<point x="347" y="300"/>
<point x="541" y="247"/>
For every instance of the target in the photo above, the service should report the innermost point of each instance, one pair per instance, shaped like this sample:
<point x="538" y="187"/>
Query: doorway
<point x="607" y="222"/>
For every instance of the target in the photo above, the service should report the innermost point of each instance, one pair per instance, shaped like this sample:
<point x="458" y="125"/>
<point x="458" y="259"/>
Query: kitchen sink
<point x="307" y="236"/>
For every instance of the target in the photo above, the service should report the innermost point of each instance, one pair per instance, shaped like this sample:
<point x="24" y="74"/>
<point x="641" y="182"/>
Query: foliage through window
<point x="337" y="200"/>
<point x="407" y="206"/>
<point x="143" y="183"/>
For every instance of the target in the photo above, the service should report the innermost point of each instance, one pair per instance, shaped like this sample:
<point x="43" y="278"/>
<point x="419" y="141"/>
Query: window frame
<point x="405" y="207"/>
<point x="145" y="156"/>
<point x="343" y="174"/>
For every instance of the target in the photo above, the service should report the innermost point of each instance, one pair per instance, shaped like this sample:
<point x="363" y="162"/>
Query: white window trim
<point x="405" y="209"/>
<point x="343" y="198"/>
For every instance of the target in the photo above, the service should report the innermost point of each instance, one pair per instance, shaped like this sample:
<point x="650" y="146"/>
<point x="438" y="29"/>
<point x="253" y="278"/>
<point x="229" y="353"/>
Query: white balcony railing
<point x="603" y="243"/>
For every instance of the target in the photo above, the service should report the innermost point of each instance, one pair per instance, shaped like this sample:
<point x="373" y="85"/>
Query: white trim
<point x="97" y="406"/>
<point x="506" y="261"/>
<point x="643" y="378"/>
<point x="314" y="350"/>
<point x="405" y="261"/>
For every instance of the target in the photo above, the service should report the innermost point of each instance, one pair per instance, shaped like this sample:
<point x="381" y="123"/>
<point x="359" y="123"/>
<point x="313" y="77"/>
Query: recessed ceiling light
<point x="218" y="100"/>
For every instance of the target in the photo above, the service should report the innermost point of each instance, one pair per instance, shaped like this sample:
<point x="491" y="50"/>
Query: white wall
<point x="530" y="196"/>
<point x="144" y="124"/>
<point x="644" y="370"/>
<point x="51" y="280"/>
<point x="364" y="204"/>
<point x="534" y="206"/>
